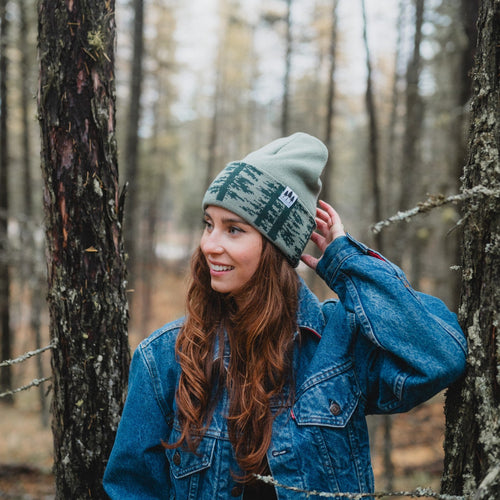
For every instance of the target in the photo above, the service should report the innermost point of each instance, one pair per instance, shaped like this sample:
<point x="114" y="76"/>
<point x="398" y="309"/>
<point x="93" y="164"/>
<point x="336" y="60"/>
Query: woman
<point x="261" y="378"/>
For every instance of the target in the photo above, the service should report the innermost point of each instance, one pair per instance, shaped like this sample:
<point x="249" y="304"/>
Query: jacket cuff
<point x="337" y="252"/>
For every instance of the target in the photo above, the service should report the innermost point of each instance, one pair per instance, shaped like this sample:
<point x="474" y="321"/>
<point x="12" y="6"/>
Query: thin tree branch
<point x="434" y="201"/>
<point x="34" y="383"/>
<point x="27" y="355"/>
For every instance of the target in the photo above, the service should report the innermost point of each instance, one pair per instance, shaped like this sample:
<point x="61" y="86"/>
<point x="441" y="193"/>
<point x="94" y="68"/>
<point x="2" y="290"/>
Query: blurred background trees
<point x="201" y="83"/>
<point x="5" y="334"/>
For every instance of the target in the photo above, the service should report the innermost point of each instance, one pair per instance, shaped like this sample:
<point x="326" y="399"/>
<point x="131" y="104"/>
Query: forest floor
<point x="26" y="445"/>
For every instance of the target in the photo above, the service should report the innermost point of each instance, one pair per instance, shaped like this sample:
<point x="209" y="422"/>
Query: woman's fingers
<point x="323" y="215"/>
<point x="323" y="227"/>
<point x="327" y="208"/>
<point x="336" y="228"/>
<point x="329" y="227"/>
<point x="309" y="261"/>
<point x="319" y="240"/>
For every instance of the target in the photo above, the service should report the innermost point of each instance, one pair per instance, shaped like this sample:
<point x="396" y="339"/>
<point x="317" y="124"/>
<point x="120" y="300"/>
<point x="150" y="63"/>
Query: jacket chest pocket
<point x="188" y="470"/>
<point x="331" y="425"/>
<point x="184" y="463"/>
<point x="328" y="399"/>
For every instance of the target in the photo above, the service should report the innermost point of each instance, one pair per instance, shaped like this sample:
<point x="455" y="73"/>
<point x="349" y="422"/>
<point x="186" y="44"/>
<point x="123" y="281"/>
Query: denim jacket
<point x="380" y="347"/>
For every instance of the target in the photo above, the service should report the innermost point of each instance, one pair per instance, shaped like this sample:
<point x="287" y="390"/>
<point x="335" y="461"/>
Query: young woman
<point x="262" y="378"/>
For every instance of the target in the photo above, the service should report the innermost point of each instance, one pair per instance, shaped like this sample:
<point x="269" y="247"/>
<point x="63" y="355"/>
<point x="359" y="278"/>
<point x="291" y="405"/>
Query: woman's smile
<point x="218" y="268"/>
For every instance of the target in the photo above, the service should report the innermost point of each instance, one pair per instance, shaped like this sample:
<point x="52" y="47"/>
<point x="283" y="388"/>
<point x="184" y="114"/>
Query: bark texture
<point x="472" y="441"/>
<point x="85" y="259"/>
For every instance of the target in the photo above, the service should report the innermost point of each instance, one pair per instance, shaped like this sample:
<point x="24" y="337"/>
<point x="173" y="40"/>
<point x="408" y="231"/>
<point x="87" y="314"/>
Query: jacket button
<point x="236" y="491"/>
<point x="177" y="458"/>
<point x="335" y="409"/>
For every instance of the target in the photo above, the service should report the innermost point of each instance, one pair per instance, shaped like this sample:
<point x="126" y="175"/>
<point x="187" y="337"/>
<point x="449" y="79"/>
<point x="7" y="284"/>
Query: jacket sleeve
<point x="409" y="346"/>
<point x="137" y="466"/>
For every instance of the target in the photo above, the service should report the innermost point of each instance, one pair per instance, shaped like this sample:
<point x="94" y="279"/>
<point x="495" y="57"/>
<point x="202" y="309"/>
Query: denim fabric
<point x="380" y="348"/>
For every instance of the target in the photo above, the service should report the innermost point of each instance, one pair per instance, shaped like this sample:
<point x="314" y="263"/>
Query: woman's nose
<point x="210" y="244"/>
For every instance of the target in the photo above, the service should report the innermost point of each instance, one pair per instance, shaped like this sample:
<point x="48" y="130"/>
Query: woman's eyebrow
<point x="230" y="220"/>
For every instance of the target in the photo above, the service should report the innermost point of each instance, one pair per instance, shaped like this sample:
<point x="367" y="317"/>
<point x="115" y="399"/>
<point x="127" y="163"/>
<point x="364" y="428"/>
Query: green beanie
<point x="275" y="189"/>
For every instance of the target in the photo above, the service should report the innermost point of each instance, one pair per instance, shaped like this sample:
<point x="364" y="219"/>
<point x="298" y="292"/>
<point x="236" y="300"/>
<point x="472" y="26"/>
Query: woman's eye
<point x="207" y="224"/>
<point x="235" y="230"/>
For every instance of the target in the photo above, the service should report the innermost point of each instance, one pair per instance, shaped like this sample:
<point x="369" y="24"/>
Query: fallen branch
<point x="434" y="201"/>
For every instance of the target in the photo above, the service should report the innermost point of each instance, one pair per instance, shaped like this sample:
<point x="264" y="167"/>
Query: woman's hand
<point x="329" y="228"/>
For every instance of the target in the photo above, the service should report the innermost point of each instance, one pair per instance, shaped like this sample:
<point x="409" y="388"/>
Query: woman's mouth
<point x="218" y="268"/>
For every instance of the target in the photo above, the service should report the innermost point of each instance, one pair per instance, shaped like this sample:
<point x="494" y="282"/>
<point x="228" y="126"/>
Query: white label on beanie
<point x="288" y="197"/>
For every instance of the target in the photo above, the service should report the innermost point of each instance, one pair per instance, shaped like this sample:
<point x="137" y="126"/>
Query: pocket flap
<point x="329" y="400"/>
<point x="183" y="462"/>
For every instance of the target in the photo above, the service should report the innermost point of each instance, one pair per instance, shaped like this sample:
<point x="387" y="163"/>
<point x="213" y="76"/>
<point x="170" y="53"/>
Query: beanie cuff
<point x="268" y="205"/>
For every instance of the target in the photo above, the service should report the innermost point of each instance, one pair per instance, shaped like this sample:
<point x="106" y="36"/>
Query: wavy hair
<point x="260" y="327"/>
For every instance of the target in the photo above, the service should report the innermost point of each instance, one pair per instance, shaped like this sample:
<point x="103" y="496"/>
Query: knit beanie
<point x="275" y="189"/>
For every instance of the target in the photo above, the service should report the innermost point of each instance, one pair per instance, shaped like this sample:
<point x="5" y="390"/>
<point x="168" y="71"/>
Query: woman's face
<point x="232" y="248"/>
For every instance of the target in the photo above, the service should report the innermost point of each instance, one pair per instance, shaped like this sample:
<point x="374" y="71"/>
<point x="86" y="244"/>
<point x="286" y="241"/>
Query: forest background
<point x="385" y="84"/>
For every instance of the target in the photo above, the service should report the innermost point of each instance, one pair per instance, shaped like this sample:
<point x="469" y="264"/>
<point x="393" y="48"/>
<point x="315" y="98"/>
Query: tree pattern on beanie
<point x="255" y="196"/>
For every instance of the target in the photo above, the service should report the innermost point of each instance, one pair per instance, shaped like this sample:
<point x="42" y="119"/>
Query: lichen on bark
<point x="85" y="257"/>
<point x="472" y="441"/>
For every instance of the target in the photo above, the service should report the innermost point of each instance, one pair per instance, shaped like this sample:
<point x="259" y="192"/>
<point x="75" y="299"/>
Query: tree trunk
<point x="5" y="332"/>
<point x="213" y="153"/>
<point x="131" y="156"/>
<point x="390" y="173"/>
<point x="472" y="445"/>
<point x="411" y="185"/>
<point x="37" y="303"/>
<point x="285" y="108"/>
<point x="85" y="258"/>
<point x="373" y="156"/>
<point x="414" y="116"/>
<point x="469" y="11"/>
<point x="27" y="232"/>
<point x="32" y="277"/>
<point x="326" y="177"/>
<point x="330" y="105"/>
<point x="214" y="126"/>
<point x="373" y="148"/>
<point x="390" y="168"/>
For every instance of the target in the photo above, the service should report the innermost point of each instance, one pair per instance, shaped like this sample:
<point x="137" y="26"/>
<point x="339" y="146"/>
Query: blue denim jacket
<point x="380" y="348"/>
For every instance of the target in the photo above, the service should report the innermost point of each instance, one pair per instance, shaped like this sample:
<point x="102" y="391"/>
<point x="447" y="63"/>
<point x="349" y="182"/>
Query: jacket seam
<point x="322" y="376"/>
<point x="156" y="383"/>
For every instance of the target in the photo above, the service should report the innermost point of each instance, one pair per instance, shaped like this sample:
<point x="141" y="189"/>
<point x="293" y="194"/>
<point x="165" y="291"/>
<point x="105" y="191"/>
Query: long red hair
<point x="260" y="328"/>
